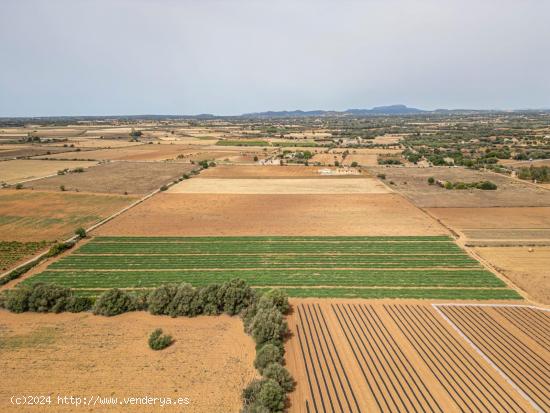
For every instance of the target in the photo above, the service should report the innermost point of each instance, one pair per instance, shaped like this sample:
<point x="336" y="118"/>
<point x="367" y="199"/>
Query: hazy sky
<point x="98" y="57"/>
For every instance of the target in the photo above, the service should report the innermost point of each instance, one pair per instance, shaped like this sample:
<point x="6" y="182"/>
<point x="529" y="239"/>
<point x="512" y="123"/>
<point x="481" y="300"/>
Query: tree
<point x="281" y="375"/>
<point x="266" y="355"/>
<point x="113" y="302"/>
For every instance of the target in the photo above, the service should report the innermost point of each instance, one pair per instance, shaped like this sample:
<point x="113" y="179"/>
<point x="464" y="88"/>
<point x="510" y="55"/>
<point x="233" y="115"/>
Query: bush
<point x="19" y="186"/>
<point x="354" y="164"/>
<point x="58" y="248"/>
<point x="381" y="176"/>
<point x="281" y="375"/>
<point x="269" y="326"/>
<point x="80" y="232"/>
<point x="185" y="302"/>
<point x="250" y="393"/>
<point x="159" y="341"/>
<point x="44" y="298"/>
<point x="266" y="355"/>
<point x="76" y="304"/>
<point x="272" y="396"/>
<point x="113" y="302"/>
<point x="141" y="300"/>
<point x="208" y="297"/>
<point x="431" y="180"/>
<point x="486" y="185"/>
<point x="235" y="295"/>
<point x="275" y="298"/>
<point x="163" y="188"/>
<point x="62" y="188"/>
<point x="160" y="298"/>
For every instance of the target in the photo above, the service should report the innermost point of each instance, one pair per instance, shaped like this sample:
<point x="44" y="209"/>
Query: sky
<point x="227" y="57"/>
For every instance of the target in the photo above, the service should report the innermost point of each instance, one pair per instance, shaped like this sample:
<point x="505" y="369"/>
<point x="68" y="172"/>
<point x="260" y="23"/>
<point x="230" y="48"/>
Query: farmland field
<point x="419" y="267"/>
<point x="515" y="339"/>
<point x="117" y="178"/>
<point x="351" y="357"/>
<point x="12" y="252"/>
<point x="36" y="216"/>
<point x="273" y="214"/>
<point x="22" y="170"/>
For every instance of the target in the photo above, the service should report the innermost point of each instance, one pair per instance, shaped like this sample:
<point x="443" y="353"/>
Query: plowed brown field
<point x="355" y="356"/>
<point x="245" y="214"/>
<point x="515" y="339"/>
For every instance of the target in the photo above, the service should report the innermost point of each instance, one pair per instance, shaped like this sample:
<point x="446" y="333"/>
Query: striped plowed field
<point x="515" y="340"/>
<point x="352" y="357"/>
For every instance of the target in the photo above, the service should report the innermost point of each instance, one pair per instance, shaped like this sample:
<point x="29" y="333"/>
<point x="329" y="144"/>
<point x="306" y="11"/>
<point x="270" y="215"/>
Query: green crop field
<point x="370" y="267"/>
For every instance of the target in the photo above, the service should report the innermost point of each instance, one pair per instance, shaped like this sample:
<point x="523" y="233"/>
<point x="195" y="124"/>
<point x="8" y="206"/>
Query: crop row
<point x="427" y="248"/>
<point x="208" y="240"/>
<point x="388" y="278"/>
<point x="107" y="262"/>
<point x="426" y="293"/>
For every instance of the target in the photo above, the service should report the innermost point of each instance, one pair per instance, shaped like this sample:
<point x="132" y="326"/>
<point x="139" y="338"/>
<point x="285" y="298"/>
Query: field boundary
<point x="480" y="352"/>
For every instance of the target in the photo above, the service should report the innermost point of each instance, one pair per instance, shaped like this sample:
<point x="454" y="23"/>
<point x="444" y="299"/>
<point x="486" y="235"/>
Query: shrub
<point x="58" y="248"/>
<point x="235" y="295"/>
<point x="62" y="188"/>
<point x="81" y="232"/>
<point x="19" y="186"/>
<point x="163" y="188"/>
<point x="185" y="302"/>
<point x="275" y="298"/>
<point x="269" y="326"/>
<point x="44" y="298"/>
<point x="275" y="371"/>
<point x="486" y="185"/>
<point x="160" y="298"/>
<point x="113" y="302"/>
<point x="255" y="159"/>
<point x="208" y="297"/>
<point x="354" y="164"/>
<point x="431" y="180"/>
<point x="159" y="341"/>
<point x="250" y="393"/>
<point x="266" y="355"/>
<point x="381" y="176"/>
<point x="272" y="396"/>
<point x="448" y="185"/>
<point x="76" y="304"/>
<point x="141" y="300"/>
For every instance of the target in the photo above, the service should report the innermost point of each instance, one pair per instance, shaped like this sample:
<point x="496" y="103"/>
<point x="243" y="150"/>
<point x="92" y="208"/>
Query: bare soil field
<point x="23" y="170"/>
<point x="361" y="159"/>
<point x="356" y="356"/>
<point x="515" y="339"/>
<point x="83" y="355"/>
<point x="326" y="158"/>
<point x="526" y="267"/>
<point x="525" y="164"/>
<point x="94" y="142"/>
<point x="117" y="178"/>
<point x="230" y="214"/>
<point x="387" y="139"/>
<point x="279" y="186"/>
<point x="271" y="171"/>
<point x="413" y="182"/>
<point x="152" y="152"/>
<point x="22" y="151"/>
<point x="35" y="216"/>
<point x="497" y="226"/>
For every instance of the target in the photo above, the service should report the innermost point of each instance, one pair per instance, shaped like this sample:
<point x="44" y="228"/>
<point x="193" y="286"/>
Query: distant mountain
<point x="379" y="110"/>
<point x="385" y="110"/>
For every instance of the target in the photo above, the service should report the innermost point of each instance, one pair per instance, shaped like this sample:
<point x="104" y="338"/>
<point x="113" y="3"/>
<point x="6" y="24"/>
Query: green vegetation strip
<point x="375" y="267"/>
<point x="387" y="278"/>
<point x="431" y="293"/>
